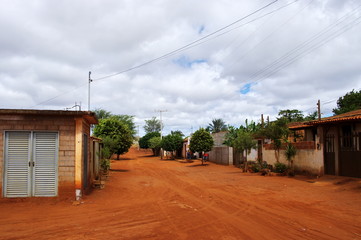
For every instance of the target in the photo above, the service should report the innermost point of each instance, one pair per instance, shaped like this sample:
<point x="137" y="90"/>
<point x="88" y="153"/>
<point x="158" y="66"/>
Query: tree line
<point x="118" y="131"/>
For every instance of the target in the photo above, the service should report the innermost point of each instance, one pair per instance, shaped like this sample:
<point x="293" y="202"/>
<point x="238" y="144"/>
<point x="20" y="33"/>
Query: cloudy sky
<point x="199" y="60"/>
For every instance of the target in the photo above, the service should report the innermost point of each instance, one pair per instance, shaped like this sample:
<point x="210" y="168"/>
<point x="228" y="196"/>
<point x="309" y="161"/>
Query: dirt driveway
<point x="147" y="198"/>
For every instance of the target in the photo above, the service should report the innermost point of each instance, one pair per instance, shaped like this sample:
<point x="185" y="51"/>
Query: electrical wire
<point x="306" y="47"/>
<point x="269" y="35"/>
<point x="62" y="94"/>
<point x="187" y="45"/>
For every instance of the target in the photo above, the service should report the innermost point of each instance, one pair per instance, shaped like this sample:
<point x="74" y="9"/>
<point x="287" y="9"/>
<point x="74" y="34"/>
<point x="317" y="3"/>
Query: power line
<point x="273" y="32"/>
<point x="187" y="45"/>
<point x="306" y="47"/>
<point x="223" y="33"/>
<point x="62" y="94"/>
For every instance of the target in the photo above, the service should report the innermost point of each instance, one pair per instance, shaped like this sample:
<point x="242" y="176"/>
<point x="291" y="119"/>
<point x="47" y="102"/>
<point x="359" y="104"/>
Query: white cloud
<point x="47" y="49"/>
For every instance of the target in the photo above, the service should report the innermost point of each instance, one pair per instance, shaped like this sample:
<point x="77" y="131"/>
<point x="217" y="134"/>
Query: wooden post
<point x="319" y="109"/>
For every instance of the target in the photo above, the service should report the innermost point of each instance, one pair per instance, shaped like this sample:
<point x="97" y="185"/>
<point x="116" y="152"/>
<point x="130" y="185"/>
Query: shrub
<point x="105" y="164"/>
<point x="255" y="168"/>
<point x="280" y="167"/>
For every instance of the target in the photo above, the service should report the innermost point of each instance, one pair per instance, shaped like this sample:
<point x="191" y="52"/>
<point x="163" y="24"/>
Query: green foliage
<point x="233" y="133"/>
<point x="251" y="127"/>
<point x="129" y="121"/>
<point x="280" y="167"/>
<point x="349" y="102"/>
<point x="155" y="142"/>
<point x="217" y="125"/>
<point x="293" y="115"/>
<point x="230" y="136"/>
<point x="290" y="152"/>
<point x="244" y="141"/>
<point x="311" y="116"/>
<point x="105" y="164"/>
<point x="255" y="168"/>
<point x="116" y="135"/>
<point x="152" y="125"/>
<point x="172" y="142"/>
<point x="177" y="132"/>
<point x="126" y="119"/>
<point x="201" y="141"/>
<point x="102" y="113"/>
<point x="144" y="141"/>
<point x="277" y="131"/>
<point x="109" y="144"/>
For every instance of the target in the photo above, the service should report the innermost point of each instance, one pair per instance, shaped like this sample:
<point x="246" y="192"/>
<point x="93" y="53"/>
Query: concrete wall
<point x="221" y="155"/>
<point x="309" y="157"/>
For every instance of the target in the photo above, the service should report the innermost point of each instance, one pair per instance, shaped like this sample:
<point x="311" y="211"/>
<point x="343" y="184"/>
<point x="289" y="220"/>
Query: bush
<point x="105" y="164"/>
<point x="255" y="168"/>
<point x="280" y="167"/>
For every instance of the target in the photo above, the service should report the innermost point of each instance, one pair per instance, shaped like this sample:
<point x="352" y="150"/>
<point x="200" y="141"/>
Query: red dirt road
<point x="147" y="198"/>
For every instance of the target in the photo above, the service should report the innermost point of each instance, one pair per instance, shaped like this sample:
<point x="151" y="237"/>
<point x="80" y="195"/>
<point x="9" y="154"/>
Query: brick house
<point x="45" y="153"/>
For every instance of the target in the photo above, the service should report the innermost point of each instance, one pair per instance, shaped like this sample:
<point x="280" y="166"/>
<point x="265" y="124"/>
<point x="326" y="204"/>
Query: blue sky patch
<point x="201" y="29"/>
<point x="187" y="63"/>
<point x="246" y="88"/>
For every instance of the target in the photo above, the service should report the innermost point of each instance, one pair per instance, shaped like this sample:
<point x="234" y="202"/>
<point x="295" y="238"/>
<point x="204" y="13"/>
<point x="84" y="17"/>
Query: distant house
<point x="330" y="145"/>
<point x="226" y="155"/>
<point x="47" y="153"/>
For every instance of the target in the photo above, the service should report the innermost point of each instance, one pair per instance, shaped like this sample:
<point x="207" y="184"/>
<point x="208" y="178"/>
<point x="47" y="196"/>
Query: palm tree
<point x="217" y="125"/>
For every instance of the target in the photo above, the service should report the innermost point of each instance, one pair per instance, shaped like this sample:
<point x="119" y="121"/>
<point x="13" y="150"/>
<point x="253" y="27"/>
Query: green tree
<point x="351" y="101"/>
<point x="244" y="143"/>
<point x="155" y="143"/>
<point x="217" y="125"/>
<point x="201" y="141"/>
<point x="177" y="132"/>
<point x="277" y="131"/>
<point x="126" y="119"/>
<point x="129" y="121"/>
<point x="293" y="115"/>
<point x="290" y="153"/>
<point x="242" y="140"/>
<point x="118" y="137"/>
<point x="311" y="116"/>
<point x="152" y="125"/>
<point x="144" y="141"/>
<point x="102" y="113"/>
<point x="172" y="142"/>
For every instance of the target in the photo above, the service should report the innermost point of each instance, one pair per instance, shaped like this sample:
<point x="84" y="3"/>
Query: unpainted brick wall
<point x="65" y="126"/>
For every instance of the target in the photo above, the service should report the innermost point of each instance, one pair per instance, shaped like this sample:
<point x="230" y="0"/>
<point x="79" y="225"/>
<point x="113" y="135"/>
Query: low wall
<point x="221" y="155"/>
<point x="308" y="159"/>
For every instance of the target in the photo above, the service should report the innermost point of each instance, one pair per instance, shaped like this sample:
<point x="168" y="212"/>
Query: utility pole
<point x="161" y="123"/>
<point x="319" y="109"/>
<point x="90" y="80"/>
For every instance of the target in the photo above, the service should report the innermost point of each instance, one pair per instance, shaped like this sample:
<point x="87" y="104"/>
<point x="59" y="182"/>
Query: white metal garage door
<point x="31" y="160"/>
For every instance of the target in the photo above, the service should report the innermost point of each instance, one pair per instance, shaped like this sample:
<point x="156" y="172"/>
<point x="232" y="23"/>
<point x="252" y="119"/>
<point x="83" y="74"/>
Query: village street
<point x="149" y="198"/>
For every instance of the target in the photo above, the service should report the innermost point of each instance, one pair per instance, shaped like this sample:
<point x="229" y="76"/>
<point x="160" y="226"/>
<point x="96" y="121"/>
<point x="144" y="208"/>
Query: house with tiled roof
<point x="330" y="145"/>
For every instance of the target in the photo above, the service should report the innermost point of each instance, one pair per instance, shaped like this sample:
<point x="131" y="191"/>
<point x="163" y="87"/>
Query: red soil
<point x="149" y="198"/>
